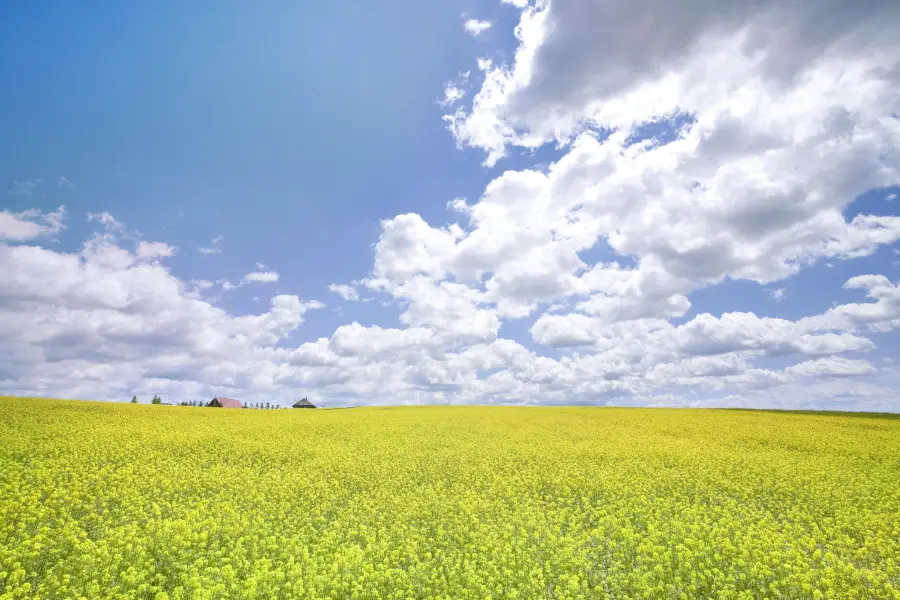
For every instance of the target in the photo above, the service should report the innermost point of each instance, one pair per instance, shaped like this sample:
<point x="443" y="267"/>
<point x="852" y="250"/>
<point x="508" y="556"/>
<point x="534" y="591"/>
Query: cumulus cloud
<point x="880" y="315"/>
<point x="580" y="62"/>
<point x="30" y="224"/>
<point x="452" y="94"/>
<point x="105" y="219"/>
<point x="100" y="321"/>
<point x="476" y="26"/>
<point x="456" y="89"/>
<point x="345" y="291"/>
<point x="154" y="250"/>
<point x="704" y="335"/>
<point x="832" y="366"/>
<point x="752" y="183"/>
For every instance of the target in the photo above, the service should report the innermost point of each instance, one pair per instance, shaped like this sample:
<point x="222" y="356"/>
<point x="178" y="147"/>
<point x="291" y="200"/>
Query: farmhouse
<point x="225" y="403"/>
<point x="304" y="403"/>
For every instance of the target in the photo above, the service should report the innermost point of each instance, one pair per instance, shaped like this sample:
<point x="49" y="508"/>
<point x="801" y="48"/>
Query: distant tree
<point x="134" y="399"/>
<point x="268" y="406"/>
<point x="156" y="400"/>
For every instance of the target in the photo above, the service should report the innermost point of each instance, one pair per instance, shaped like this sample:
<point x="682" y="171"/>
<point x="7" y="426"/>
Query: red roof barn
<point x="225" y="403"/>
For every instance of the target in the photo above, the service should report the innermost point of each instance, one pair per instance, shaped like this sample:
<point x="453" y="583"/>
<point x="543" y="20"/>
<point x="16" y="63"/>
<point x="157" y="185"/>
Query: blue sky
<point x="268" y="127"/>
<point x="290" y="132"/>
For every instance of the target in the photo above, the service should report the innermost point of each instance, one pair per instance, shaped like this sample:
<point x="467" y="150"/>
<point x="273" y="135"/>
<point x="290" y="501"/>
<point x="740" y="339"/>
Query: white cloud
<point x="704" y="335"/>
<point x="744" y="190"/>
<point x="881" y="315"/>
<point x="201" y="284"/>
<point x="456" y="89"/>
<point x="345" y="291"/>
<point x="579" y="62"/>
<point x="261" y="277"/>
<point x="214" y="247"/>
<point x="30" y="224"/>
<point x="832" y="366"/>
<point x="154" y="250"/>
<point x="107" y="220"/>
<point x="261" y="266"/>
<point x="476" y="26"/>
<point x="777" y="294"/>
<point x="452" y="94"/>
<point x="100" y="322"/>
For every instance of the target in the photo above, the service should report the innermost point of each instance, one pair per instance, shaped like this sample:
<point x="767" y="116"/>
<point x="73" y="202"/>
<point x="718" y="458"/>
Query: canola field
<point x="158" y="502"/>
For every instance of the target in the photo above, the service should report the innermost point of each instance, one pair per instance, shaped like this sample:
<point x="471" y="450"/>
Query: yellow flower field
<point x="136" y="501"/>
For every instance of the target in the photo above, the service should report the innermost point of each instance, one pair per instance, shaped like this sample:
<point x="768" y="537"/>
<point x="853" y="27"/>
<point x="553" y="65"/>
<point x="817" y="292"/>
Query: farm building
<point x="304" y="403"/>
<point x="225" y="403"/>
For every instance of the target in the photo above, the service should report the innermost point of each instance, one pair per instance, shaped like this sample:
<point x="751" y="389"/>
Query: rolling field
<point x="137" y="501"/>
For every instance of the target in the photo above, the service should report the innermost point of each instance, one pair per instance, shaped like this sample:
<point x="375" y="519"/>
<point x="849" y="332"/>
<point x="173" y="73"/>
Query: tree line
<point x="254" y="406"/>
